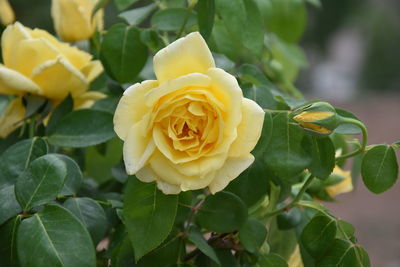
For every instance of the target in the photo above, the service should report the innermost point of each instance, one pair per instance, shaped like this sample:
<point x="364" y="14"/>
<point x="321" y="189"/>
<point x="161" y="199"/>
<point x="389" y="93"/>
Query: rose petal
<point x="92" y="70"/>
<point x="87" y="99"/>
<point x="202" y="166"/>
<point x="131" y="107"/>
<point x="12" y="117"/>
<point x="13" y="82"/>
<point x="58" y="77"/>
<point x="7" y="15"/>
<point x="232" y="168"/>
<point x="10" y="37"/>
<point x="137" y="149"/>
<point x="249" y="129"/>
<point x="186" y="55"/>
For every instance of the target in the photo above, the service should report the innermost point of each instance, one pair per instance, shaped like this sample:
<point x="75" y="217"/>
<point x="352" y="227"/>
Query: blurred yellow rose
<point x="73" y="19"/>
<point x="192" y="127"/>
<point x="35" y="62"/>
<point x="295" y="259"/>
<point x="7" y="15"/>
<point x="344" y="186"/>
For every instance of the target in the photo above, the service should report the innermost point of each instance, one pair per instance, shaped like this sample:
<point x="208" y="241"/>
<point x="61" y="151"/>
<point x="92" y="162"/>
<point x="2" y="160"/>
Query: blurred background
<point x="352" y="47"/>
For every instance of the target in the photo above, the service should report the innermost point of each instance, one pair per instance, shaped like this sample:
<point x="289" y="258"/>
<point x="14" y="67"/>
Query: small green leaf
<point x="252" y="235"/>
<point x="345" y="230"/>
<point x="122" y="53"/>
<point x="84" y="127"/>
<point x="149" y="215"/>
<point x="223" y="212"/>
<point x="8" y="237"/>
<point x="41" y="182"/>
<point x="91" y="214"/>
<point x="138" y="15"/>
<point x="58" y="237"/>
<point x="198" y="240"/>
<point x="260" y="94"/>
<point x="59" y="113"/>
<point x="124" y="4"/>
<point x="379" y="168"/>
<point x="323" y="157"/>
<point x="347" y="128"/>
<point x="74" y="178"/>
<point x="318" y="235"/>
<point x="272" y="260"/>
<point x="9" y="206"/>
<point x="344" y="253"/>
<point x="205" y="17"/>
<point x="172" y="19"/>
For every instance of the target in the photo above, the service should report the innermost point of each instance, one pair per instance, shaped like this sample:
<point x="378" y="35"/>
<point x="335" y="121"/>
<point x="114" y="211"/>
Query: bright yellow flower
<point x="344" y="186"/>
<point x="73" y="19"/>
<point x="7" y="15"/>
<point x="192" y="127"/>
<point x="35" y="62"/>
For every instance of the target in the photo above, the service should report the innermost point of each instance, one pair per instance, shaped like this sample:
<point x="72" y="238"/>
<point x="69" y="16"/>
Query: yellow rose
<point x="344" y="186"/>
<point x="295" y="259"/>
<point x="73" y="19"/>
<point x="7" y="15"/>
<point x="35" y="62"/>
<point x="192" y="127"/>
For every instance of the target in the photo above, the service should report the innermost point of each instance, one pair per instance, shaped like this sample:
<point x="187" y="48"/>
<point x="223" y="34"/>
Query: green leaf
<point x="344" y="253"/>
<point x="379" y="168"/>
<point x="99" y="5"/>
<point x="172" y="19"/>
<point x="84" y="127"/>
<point x="59" y="113"/>
<point x="198" y="240"/>
<point x="272" y="260"/>
<point x="347" y="128"/>
<point x="108" y="104"/>
<point x="34" y="104"/>
<point x="345" y="230"/>
<point x="252" y="235"/>
<point x="138" y="15"/>
<point x="124" y="4"/>
<point x="286" y="154"/>
<point x="17" y="158"/>
<point x="323" y="157"/>
<point x="316" y="3"/>
<point x="223" y="212"/>
<point x="260" y="94"/>
<point x="205" y="17"/>
<point x="74" y="178"/>
<point x="8" y="237"/>
<point x="41" y="182"/>
<point x="91" y="214"/>
<point x="122" y="53"/>
<point x="54" y="237"/>
<point x="318" y="235"/>
<point x="149" y="215"/>
<point x="9" y="206"/>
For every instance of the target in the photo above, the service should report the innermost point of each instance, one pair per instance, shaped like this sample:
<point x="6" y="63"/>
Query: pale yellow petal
<point x="87" y="99"/>
<point x="137" y="148"/>
<point x="92" y="70"/>
<point x="13" y="82"/>
<point x="12" y="117"/>
<point x="249" y="129"/>
<point x="146" y="174"/>
<point x="11" y="36"/>
<point x="186" y="55"/>
<point x="202" y="166"/>
<point x="58" y="77"/>
<point x="295" y="259"/>
<point x="131" y="107"/>
<point x="345" y="186"/>
<point x="7" y="15"/>
<point x="232" y="168"/>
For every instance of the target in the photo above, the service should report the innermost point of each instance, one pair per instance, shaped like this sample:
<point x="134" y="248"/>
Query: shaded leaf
<point x="8" y="237"/>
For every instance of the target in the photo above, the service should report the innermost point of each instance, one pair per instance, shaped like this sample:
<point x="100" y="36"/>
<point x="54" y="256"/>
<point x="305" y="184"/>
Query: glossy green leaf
<point x="138" y="15"/>
<point x="91" y="214"/>
<point x="286" y="154"/>
<point x="73" y="181"/>
<point x="122" y="53"/>
<point x="323" y="157"/>
<point x="205" y="16"/>
<point x="59" y="113"/>
<point x="223" y="212"/>
<point x="41" y="182"/>
<point x="318" y="235"/>
<point x="344" y="253"/>
<point x="54" y="237"/>
<point x="8" y="237"/>
<point x="124" y="4"/>
<point x="199" y="241"/>
<point x="346" y="128"/>
<point x="345" y="230"/>
<point x="272" y="260"/>
<point x="17" y="157"/>
<point x="9" y="205"/>
<point x="252" y="235"/>
<point x="260" y="94"/>
<point x="173" y="19"/>
<point x="379" y="168"/>
<point x="84" y="127"/>
<point x="149" y="215"/>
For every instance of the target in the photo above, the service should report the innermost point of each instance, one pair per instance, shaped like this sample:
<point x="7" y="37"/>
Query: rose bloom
<point x="192" y="127"/>
<point x="7" y="15"/>
<point x="37" y="63"/>
<point x="73" y="19"/>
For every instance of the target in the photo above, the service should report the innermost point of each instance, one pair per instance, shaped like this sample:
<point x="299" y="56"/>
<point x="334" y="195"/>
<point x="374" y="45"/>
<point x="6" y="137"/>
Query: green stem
<point x="364" y="139"/>
<point x="31" y="129"/>
<point x="295" y="200"/>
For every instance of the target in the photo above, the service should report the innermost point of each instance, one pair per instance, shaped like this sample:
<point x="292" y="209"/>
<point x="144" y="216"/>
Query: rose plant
<point x="177" y="138"/>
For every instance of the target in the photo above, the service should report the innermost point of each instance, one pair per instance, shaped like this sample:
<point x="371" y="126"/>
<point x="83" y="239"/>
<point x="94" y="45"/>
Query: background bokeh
<point x="354" y="62"/>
